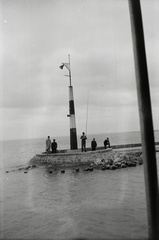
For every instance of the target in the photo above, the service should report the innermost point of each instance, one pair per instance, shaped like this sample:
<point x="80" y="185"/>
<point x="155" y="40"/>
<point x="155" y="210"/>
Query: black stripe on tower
<point x="71" y="106"/>
<point x="73" y="139"/>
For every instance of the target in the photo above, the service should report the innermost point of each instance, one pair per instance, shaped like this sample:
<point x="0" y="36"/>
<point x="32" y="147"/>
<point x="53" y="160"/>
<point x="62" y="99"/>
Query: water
<point x="88" y="205"/>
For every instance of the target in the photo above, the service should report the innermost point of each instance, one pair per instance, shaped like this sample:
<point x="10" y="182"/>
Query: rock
<point x="106" y="161"/>
<point x="103" y="160"/>
<point x="140" y="161"/>
<point x="123" y="165"/>
<point x="107" y="166"/>
<point x="110" y="161"/>
<point x="116" y="160"/>
<point x="91" y="165"/>
<point x="129" y="164"/>
<point x="97" y="161"/>
<point x="133" y="164"/>
<point x="88" y="169"/>
<point x="113" y="167"/>
<point x="123" y="162"/>
<point x="118" y="164"/>
<point x="33" y="166"/>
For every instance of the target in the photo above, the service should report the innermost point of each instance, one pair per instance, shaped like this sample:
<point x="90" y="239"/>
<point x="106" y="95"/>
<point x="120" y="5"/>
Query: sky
<point x="36" y="36"/>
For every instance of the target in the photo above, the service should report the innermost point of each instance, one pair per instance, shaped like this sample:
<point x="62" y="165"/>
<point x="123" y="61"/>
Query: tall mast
<point x="71" y="115"/>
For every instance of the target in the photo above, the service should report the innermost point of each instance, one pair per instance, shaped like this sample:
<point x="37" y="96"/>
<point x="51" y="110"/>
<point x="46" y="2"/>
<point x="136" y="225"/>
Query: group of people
<point x="51" y="145"/>
<point x="93" y="143"/>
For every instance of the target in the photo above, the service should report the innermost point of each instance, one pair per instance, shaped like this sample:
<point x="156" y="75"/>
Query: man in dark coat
<point x="93" y="144"/>
<point x="54" y="146"/>
<point x="105" y="143"/>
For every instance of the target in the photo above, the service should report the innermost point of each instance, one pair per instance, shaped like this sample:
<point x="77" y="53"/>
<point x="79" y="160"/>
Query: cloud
<point x="38" y="36"/>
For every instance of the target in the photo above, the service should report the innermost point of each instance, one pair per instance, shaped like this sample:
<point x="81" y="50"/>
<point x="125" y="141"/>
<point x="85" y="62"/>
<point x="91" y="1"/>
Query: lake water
<point x="83" y="205"/>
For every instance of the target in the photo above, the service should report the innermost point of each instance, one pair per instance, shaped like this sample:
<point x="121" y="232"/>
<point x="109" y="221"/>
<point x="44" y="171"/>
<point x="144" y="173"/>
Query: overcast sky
<point x="37" y="36"/>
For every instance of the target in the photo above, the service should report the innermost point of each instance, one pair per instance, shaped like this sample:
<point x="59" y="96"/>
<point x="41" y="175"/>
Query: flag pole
<point x="146" y="123"/>
<point x="87" y="113"/>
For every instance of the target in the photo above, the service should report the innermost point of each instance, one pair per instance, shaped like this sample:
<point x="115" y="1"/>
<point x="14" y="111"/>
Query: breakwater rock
<point x="106" y="159"/>
<point x="119" y="160"/>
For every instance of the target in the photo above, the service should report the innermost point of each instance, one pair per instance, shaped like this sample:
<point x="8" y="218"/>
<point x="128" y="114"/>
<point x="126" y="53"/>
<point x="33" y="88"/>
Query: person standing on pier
<point x="93" y="144"/>
<point x="48" y="144"/>
<point x="54" y="146"/>
<point x="83" y="142"/>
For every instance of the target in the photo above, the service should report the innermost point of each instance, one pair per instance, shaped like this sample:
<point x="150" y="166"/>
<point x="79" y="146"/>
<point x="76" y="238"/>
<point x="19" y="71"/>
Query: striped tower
<point x="73" y="134"/>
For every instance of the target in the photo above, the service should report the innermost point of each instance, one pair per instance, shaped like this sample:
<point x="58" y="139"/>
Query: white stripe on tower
<point x="73" y="134"/>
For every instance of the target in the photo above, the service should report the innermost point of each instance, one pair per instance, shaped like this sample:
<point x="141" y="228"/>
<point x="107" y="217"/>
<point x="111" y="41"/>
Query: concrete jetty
<point x="67" y="158"/>
<point x="100" y="159"/>
<point x="70" y="158"/>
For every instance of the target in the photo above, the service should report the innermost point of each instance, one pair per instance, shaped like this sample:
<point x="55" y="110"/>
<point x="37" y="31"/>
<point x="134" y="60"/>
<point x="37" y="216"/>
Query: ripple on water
<point x="94" y="205"/>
